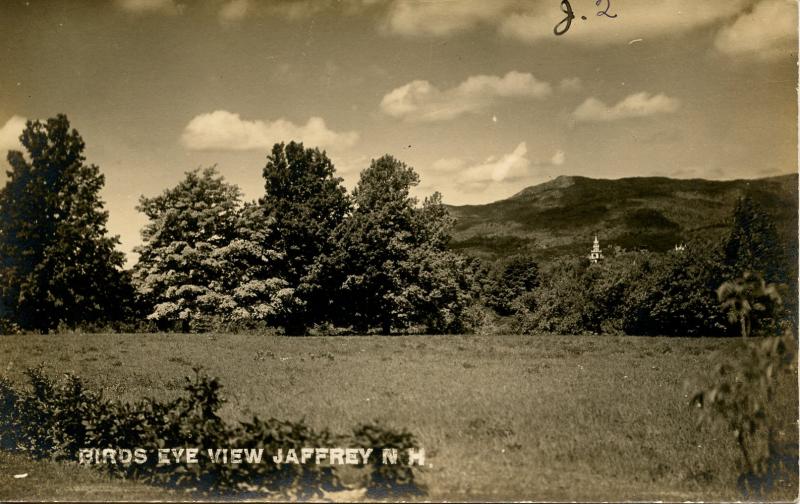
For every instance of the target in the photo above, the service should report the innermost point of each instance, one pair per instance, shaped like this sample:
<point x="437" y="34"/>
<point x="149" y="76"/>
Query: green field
<point x="502" y="417"/>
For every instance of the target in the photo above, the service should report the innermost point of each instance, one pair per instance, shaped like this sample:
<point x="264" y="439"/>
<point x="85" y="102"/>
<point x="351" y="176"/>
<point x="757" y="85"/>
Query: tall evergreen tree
<point x="57" y="262"/>
<point x="305" y="201"/>
<point x="753" y="244"/>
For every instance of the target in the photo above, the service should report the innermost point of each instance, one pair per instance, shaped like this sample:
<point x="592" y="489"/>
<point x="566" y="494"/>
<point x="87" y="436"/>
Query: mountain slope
<point x="563" y="215"/>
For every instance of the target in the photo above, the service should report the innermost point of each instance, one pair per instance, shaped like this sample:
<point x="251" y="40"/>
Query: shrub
<point x="9" y="327"/>
<point x="56" y="418"/>
<point x="388" y="480"/>
<point x="739" y="396"/>
<point x="48" y="421"/>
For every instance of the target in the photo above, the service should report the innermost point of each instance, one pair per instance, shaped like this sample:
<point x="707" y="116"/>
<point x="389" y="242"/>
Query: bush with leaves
<point x="388" y="480"/>
<point x="740" y="396"/>
<point x="56" y="418"/>
<point x="750" y="301"/>
<point x="51" y="419"/>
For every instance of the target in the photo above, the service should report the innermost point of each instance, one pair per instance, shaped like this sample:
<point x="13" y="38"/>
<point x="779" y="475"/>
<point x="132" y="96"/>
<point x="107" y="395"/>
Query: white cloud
<point x="9" y="135"/>
<point x="419" y="100"/>
<point x="223" y="130"/>
<point x="507" y="168"/>
<point x="234" y="10"/>
<point x="463" y="181"/>
<point x="510" y="166"/>
<point x="635" y="105"/>
<point x="767" y="32"/>
<point x="150" y="6"/>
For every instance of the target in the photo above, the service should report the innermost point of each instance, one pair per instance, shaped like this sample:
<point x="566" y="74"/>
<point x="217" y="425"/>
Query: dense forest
<point x="310" y="258"/>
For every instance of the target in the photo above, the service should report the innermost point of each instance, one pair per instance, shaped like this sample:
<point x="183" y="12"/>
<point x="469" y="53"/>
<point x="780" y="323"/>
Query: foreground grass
<point x="512" y="417"/>
<point x="45" y="480"/>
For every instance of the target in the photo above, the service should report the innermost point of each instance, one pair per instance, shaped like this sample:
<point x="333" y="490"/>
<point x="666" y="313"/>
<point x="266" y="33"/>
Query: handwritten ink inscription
<point x="563" y="26"/>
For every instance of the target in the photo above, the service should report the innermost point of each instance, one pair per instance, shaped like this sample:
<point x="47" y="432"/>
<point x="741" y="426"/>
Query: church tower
<point x="596" y="254"/>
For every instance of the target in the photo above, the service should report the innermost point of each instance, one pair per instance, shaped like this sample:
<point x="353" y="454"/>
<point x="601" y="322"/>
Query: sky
<point x="480" y="97"/>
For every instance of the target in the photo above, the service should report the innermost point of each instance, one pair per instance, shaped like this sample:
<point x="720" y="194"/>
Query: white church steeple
<point x="596" y="254"/>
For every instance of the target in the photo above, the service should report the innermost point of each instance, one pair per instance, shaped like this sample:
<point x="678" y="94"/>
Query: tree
<point x="558" y="304"/>
<point x="439" y="291"/>
<point x="438" y="287"/>
<point x="754" y="246"/>
<point x="375" y="241"/>
<point x="203" y="262"/>
<point x="57" y="262"/>
<point x="639" y="293"/>
<point x="753" y="243"/>
<point x="434" y="224"/>
<point x="394" y="267"/>
<point x="305" y="202"/>
<point x="510" y="279"/>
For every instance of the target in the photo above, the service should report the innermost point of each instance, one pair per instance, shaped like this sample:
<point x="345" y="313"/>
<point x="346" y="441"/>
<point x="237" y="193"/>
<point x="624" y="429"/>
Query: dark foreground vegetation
<point x="309" y="258"/>
<point x="56" y="419"/>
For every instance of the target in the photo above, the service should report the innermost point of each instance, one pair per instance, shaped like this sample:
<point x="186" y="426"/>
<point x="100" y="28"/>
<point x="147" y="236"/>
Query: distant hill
<point x="563" y="215"/>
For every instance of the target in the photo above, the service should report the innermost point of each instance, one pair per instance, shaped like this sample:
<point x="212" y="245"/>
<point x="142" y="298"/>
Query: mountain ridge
<point x="561" y="216"/>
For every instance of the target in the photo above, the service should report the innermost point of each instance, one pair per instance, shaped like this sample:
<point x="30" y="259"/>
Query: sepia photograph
<point x="399" y="251"/>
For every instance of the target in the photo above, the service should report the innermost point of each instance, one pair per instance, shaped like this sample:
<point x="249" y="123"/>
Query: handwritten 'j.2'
<point x="563" y="26"/>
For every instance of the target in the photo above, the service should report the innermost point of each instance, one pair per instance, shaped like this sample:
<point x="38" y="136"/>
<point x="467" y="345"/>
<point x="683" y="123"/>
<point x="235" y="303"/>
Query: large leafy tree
<point x="376" y="240"/>
<point x="203" y="261"/>
<point x="438" y="284"/>
<point x="509" y="279"/>
<point x="57" y="262"/>
<point x="439" y="293"/>
<point x="394" y="266"/>
<point x="305" y="202"/>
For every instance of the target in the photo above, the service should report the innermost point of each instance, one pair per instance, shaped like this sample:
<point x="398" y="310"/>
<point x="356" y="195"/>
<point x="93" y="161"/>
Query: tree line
<point x="305" y="254"/>
<point x="308" y="255"/>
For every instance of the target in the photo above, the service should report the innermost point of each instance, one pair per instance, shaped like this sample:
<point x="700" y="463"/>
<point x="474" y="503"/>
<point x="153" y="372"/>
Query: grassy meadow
<point x="500" y="418"/>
